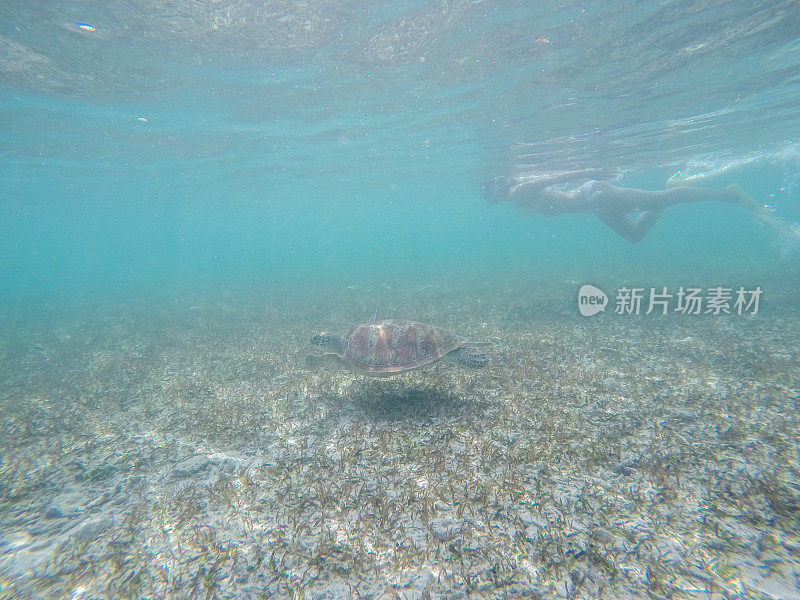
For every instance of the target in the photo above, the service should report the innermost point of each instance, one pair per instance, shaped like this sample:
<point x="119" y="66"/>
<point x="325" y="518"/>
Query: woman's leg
<point x="613" y="199"/>
<point x="632" y="230"/>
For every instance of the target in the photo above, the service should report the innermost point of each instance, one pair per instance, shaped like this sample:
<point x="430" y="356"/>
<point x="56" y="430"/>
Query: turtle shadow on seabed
<point x="400" y="400"/>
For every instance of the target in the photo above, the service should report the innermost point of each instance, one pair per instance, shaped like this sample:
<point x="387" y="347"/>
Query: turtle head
<point x="468" y="356"/>
<point x="327" y="340"/>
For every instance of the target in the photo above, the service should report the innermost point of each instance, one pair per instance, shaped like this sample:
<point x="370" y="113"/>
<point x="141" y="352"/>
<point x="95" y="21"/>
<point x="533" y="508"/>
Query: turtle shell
<point x="393" y="346"/>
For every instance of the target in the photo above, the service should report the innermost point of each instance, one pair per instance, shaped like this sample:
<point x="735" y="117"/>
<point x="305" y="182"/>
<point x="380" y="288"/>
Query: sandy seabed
<point x="181" y="449"/>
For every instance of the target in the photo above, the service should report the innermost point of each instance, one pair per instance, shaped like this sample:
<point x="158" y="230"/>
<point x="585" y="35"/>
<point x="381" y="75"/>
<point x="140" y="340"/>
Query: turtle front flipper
<point x="315" y="361"/>
<point x="469" y="356"/>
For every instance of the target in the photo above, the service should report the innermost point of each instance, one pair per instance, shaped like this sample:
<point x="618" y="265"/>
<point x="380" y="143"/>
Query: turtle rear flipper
<point x="469" y="356"/>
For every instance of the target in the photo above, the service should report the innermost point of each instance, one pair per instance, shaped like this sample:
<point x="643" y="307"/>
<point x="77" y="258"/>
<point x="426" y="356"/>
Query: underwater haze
<point x="189" y="190"/>
<point x="168" y="145"/>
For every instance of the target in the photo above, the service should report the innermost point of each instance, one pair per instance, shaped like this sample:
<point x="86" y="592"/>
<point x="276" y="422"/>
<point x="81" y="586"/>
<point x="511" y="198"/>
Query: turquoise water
<point x="239" y="145"/>
<point x="190" y="190"/>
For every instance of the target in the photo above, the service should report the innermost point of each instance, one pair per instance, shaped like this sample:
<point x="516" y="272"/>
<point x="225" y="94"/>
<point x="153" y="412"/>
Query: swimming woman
<point x="630" y="212"/>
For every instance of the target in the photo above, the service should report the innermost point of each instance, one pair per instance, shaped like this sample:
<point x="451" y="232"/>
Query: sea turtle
<point x="391" y="346"/>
